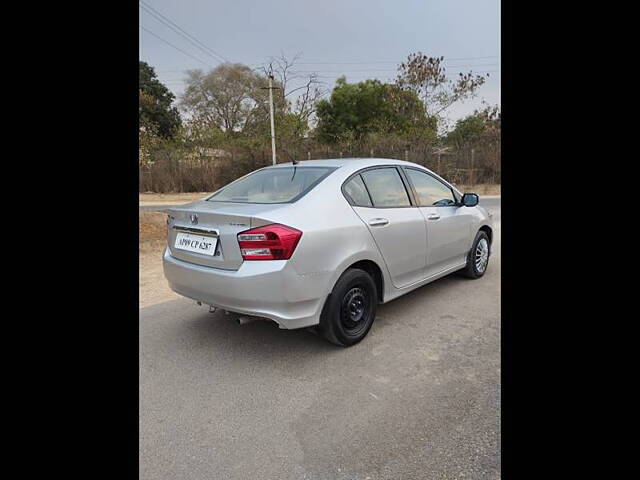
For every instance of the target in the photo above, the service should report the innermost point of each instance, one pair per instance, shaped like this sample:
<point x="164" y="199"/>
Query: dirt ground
<point x="153" y="287"/>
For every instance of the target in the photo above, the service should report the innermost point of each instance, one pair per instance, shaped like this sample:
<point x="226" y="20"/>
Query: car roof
<point x="354" y="164"/>
<point x="339" y="162"/>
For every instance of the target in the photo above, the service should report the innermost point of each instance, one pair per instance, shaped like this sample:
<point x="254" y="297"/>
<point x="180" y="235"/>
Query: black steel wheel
<point x="350" y="309"/>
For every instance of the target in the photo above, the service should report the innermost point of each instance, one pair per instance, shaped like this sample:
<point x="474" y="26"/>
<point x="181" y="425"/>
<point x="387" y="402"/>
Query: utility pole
<point x="473" y="177"/>
<point x="440" y="152"/>
<point x="273" y="127"/>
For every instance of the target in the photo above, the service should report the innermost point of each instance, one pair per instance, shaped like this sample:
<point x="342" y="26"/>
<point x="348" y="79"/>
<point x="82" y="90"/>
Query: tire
<point x="476" y="269"/>
<point x="350" y="309"/>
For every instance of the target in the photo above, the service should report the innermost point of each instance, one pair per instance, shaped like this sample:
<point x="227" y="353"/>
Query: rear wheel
<point x="478" y="257"/>
<point x="350" y="309"/>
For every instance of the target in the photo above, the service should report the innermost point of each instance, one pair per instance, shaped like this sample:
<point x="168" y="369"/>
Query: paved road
<point x="488" y="202"/>
<point x="155" y="208"/>
<point x="419" y="398"/>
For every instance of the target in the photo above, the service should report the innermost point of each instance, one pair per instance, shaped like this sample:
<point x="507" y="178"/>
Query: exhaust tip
<point x="244" y="320"/>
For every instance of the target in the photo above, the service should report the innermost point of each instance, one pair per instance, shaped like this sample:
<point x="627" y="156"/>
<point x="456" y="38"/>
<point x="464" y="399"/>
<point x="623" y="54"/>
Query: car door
<point x="448" y="224"/>
<point x="381" y="199"/>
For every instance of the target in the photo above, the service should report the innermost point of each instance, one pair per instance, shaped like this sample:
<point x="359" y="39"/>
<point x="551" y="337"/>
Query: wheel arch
<point x="489" y="231"/>
<point x="374" y="271"/>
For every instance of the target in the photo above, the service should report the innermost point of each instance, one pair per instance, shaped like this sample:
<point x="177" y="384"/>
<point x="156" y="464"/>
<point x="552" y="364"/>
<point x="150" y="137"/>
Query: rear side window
<point x="386" y="188"/>
<point x="272" y="185"/>
<point x="357" y="192"/>
<point x="430" y="191"/>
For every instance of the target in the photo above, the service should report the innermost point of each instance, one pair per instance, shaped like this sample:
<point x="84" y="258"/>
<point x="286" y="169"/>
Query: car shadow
<point x="199" y="329"/>
<point x="262" y="337"/>
<point x="416" y="298"/>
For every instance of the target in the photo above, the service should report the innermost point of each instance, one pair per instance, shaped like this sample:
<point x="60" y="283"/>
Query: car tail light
<point x="271" y="242"/>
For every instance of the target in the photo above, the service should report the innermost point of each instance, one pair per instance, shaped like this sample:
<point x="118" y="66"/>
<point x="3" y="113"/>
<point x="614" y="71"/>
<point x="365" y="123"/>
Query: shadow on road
<point x="195" y="328"/>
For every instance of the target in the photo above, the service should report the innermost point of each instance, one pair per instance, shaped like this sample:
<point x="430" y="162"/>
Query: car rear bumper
<point x="270" y="289"/>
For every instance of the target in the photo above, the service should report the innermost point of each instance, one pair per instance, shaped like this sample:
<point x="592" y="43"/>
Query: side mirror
<point x="470" y="199"/>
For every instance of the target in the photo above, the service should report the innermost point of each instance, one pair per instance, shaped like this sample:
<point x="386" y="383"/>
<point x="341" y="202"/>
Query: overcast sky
<point x="357" y="38"/>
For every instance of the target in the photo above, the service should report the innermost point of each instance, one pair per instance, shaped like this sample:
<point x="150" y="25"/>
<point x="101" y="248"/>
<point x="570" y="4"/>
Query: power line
<point x="172" y="45"/>
<point x="364" y="75"/>
<point x="358" y="70"/>
<point x="349" y="76"/>
<point x="386" y="69"/>
<point x="175" y="30"/>
<point x="358" y="78"/>
<point x="182" y="32"/>
<point x="389" y="61"/>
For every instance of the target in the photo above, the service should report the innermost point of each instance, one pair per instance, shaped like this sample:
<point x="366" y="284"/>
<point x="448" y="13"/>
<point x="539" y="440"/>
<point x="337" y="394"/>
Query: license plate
<point x="196" y="243"/>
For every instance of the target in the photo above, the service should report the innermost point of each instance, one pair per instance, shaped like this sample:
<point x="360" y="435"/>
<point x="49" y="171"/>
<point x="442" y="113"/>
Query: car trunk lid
<point x="213" y="222"/>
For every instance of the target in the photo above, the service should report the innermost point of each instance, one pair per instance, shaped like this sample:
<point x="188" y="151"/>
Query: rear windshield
<point x="272" y="185"/>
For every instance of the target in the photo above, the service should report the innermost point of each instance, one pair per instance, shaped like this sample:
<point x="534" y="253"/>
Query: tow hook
<point x="212" y="309"/>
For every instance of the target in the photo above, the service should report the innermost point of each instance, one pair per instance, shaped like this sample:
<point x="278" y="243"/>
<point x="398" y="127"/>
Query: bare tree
<point x="427" y="77"/>
<point x="309" y="93"/>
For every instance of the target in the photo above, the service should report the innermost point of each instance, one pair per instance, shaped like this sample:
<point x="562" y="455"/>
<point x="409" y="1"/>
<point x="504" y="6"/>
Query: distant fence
<point x="173" y="171"/>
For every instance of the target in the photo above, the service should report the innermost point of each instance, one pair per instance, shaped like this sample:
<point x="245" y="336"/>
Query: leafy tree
<point x="426" y="77"/>
<point x="229" y="97"/>
<point x="355" y="110"/>
<point x="481" y="125"/>
<point x="156" y="114"/>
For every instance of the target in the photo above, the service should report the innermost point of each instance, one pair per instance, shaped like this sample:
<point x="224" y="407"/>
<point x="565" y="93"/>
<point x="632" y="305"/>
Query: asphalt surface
<point x="155" y="208"/>
<point x="419" y="398"/>
<point x="487" y="202"/>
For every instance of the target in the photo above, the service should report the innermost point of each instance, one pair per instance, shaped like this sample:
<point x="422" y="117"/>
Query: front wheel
<point x="478" y="257"/>
<point x="350" y="309"/>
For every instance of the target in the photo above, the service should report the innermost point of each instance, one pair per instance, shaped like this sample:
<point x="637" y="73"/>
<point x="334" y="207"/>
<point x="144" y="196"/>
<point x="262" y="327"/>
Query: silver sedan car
<point x="320" y="243"/>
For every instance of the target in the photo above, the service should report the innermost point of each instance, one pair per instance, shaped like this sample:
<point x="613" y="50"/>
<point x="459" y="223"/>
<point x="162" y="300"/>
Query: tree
<point x="426" y="77"/>
<point x="356" y="110"/>
<point x="229" y="97"/>
<point x="309" y="93"/>
<point x="482" y="125"/>
<point x="156" y="113"/>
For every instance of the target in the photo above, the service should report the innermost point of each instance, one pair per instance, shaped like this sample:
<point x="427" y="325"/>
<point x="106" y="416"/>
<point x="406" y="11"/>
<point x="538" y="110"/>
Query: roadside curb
<point x="155" y="204"/>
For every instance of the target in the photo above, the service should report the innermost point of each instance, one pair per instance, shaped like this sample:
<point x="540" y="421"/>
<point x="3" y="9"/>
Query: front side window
<point x="430" y="191"/>
<point x="357" y="192"/>
<point x="272" y="185"/>
<point x="386" y="187"/>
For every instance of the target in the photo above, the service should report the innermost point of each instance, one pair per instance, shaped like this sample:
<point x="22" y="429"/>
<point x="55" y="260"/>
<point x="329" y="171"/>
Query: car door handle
<point x="433" y="216"/>
<point x="378" y="222"/>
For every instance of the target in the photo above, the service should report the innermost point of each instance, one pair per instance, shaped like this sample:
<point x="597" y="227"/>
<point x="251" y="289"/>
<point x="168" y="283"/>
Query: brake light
<point x="271" y="242"/>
